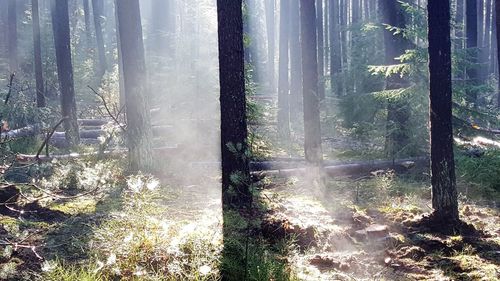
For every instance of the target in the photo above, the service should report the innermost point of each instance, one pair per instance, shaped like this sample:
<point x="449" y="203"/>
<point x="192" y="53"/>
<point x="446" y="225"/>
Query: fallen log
<point x="61" y="142"/>
<point x="27" y="131"/>
<point x="474" y="127"/>
<point x="93" y="122"/>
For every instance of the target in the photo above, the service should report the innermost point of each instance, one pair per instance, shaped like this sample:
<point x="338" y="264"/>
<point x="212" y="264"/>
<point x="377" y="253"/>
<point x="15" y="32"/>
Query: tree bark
<point x="234" y="133"/>
<point x="271" y="43"/>
<point x="12" y="35"/>
<point x="37" y="51"/>
<point x="312" y="127"/>
<point x="444" y="191"/>
<point x="97" y="9"/>
<point x="283" y="83"/>
<point x="321" y="48"/>
<point x="295" y="63"/>
<point x="335" y="51"/>
<point x="86" y="14"/>
<point x="139" y="133"/>
<point x="62" y="42"/>
<point x="497" y="23"/>
<point x="471" y="44"/>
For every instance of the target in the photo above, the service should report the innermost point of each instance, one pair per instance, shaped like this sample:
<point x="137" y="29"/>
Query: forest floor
<point x="362" y="230"/>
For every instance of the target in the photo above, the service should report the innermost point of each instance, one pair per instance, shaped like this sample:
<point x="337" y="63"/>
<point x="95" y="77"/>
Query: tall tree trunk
<point x="312" y="127"/>
<point x="321" y="49"/>
<point x="233" y="105"/>
<point x="444" y="191"/>
<point x="271" y="43"/>
<point x="295" y="63"/>
<point x="163" y="27"/>
<point x="459" y="33"/>
<point x="472" y="40"/>
<point x="497" y="23"/>
<point x="12" y="35"/>
<point x="283" y="83"/>
<point x="37" y="51"/>
<point x="86" y="14"/>
<point x="121" y="86"/>
<point x="139" y="133"/>
<point x="326" y="34"/>
<point x="335" y="45"/>
<point x="397" y="110"/>
<point x="97" y="8"/>
<point x="62" y="42"/>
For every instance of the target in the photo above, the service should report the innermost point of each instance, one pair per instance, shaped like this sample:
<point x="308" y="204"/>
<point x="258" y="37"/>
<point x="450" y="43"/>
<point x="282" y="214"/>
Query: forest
<point x="249" y="140"/>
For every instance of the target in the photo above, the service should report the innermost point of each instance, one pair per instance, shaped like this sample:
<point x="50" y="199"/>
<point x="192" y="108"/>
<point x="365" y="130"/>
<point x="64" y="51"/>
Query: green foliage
<point x="483" y="171"/>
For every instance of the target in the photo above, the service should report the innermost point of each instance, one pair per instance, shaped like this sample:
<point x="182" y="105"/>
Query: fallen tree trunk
<point x="474" y="127"/>
<point x="27" y="131"/>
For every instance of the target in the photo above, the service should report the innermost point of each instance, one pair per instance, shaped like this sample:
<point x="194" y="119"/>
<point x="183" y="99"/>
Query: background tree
<point x="444" y="191"/>
<point x="397" y="107"/>
<point x="321" y="48"/>
<point x="235" y="166"/>
<point x="497" y="24"/>
<point x="295" y="63"/>
<point x="312" y="127"/>
<point x="12" y="35"/>
<point x="271" y="42"/>
<point x="471" y="23"/>
<point x="283" y="81"/>
<point x="335" y="51"/>
<point x="37" y="52"/>
<point x="139" y="132"/>
<point x="97" y="10"/>
<point x="62" y="42"/>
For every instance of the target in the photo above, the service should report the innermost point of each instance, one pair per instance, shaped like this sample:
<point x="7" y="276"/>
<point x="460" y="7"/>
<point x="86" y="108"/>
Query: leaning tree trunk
<point x="97" y="9"/>
<point x="397" y="133"/>
<point x="12" y="35"/>
<point x="139" y="132"/>
<point x="234" y="148"/>
<point x="37" y="51"/>
<point x="444" y="191"/>
<point x="62" y="42"/>
<point x="283" y="83"/>
<point x="312" y="128"/>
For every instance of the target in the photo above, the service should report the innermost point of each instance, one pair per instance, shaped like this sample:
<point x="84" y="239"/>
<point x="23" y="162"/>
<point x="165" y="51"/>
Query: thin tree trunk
<point x="271" y="43"/>
<point x="62" y="42"/>
<point x="312" y="128"/>
<point x="139" y="132"/>
<point x="12" y="35"/>
<point x="121" y="86"/>
<point x="497" y="22"/>
<point x="86" y="14"/>
<point x="283" y="83"/>
<point x="335" y="45"/>
<point x="295" y="63"/>
<point x="472" y="40"/>
<point x="321" y="49"/>
<point x="97" y="8"/>
<point x="444" y="191"/>
<point x="37" y="51"/>
<point x="233" y="105"/>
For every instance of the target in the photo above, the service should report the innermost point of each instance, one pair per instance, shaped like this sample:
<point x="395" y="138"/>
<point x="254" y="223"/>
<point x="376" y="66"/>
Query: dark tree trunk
<point x="295" y="63"/>
<point x="312" y="128"/>
<point x="97" y="8"/>
<point x="37" y="51"/>
<point x="444" y="192"/>
<point x="480" y="22"/>
<point x="139" y="132"/>
<point x="497" y="25"/>
<point x="12" y="35"/>
<point x="321" y="49"/>
<point x="271" y="43"/>
<point x="62" y="42"/>
<point x="86" y="14"/>
<point x="472" y="40"/>
<point x="397" y="110"/>
<point x="233" y="105"/>
<point x="343" y="39"/>
<point x="335" y="44"/>
<point x="283" y="83"/>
